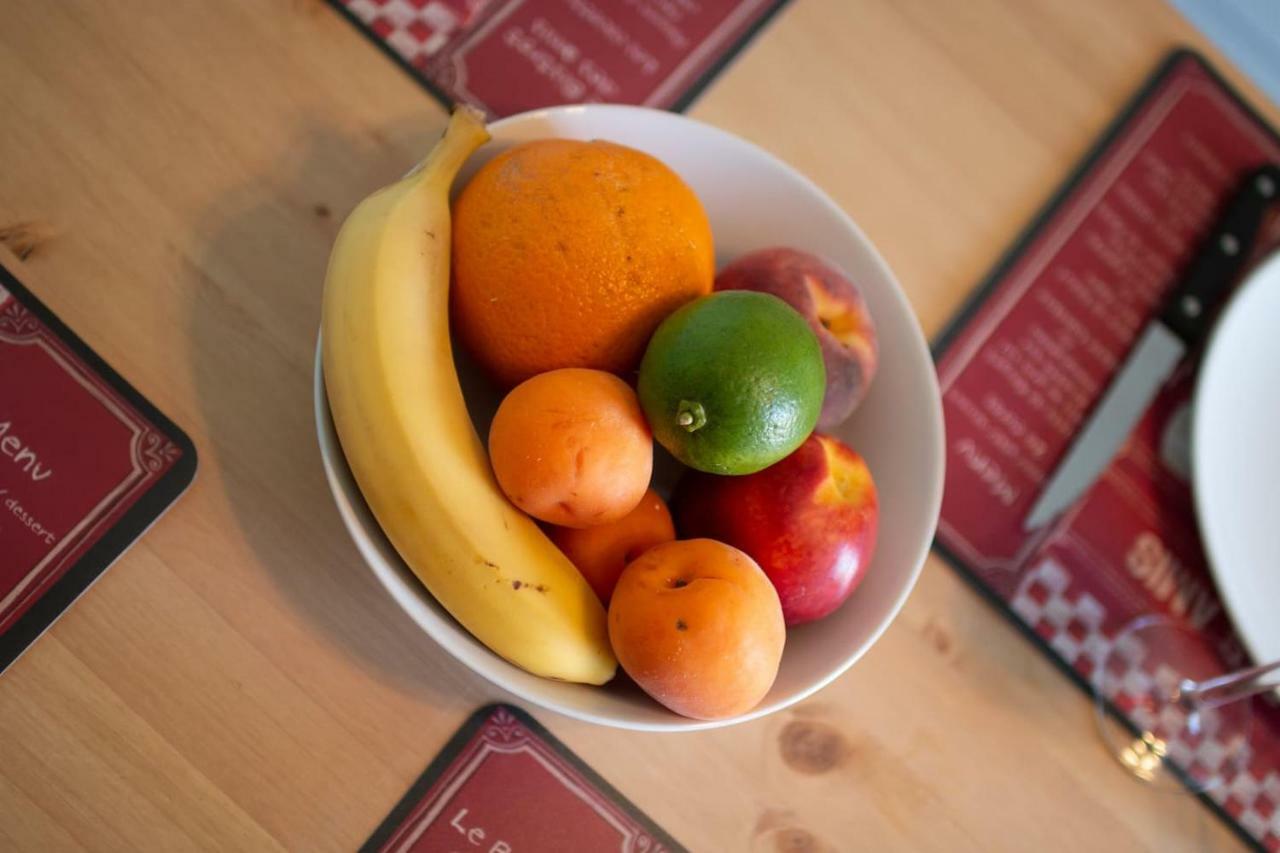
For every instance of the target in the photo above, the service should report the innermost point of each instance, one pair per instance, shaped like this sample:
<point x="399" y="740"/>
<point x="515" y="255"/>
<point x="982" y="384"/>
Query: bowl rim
<point x="430" y="622"/>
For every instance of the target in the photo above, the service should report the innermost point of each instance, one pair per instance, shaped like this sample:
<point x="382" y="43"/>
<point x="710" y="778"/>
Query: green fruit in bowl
<point x="732" y="382"/>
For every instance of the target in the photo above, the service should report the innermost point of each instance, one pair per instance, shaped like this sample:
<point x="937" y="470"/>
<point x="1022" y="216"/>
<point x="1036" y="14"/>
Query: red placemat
<point x="1027" y="359"/>
<point x="503" y="784"/>
<point x="508" y="56"/>
<point x="86" y="465"/>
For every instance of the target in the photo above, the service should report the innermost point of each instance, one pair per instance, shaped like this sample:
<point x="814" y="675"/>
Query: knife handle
<point x="1189" y="311"/>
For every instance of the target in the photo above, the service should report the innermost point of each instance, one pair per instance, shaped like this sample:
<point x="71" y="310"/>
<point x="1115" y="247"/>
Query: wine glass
<point x="1167" y="714"/>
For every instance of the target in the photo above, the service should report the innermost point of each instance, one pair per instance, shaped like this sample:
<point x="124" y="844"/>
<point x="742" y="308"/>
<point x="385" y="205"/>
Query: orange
<point x="698" y="625"/>
<point x="602" y="552"/>
<point x="570" y="253"/>
<point x="571" y="447"/>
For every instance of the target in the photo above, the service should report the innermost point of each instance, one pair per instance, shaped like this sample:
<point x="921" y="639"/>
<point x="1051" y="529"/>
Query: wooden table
<point x="172" y="175"/>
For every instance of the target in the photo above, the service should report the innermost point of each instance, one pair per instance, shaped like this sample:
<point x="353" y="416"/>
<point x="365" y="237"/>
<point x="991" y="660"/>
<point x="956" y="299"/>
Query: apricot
<point x="698" y="625"/>
<point x="602" y="552"/>
<point x="572" y="447"/>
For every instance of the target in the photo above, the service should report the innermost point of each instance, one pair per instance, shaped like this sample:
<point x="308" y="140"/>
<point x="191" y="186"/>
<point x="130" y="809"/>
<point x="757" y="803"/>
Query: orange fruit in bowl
<point x="569" y="254"/>
<point x="602" y="552"/>
<point x="572" y="447"/>
<point x="697" y="624"/>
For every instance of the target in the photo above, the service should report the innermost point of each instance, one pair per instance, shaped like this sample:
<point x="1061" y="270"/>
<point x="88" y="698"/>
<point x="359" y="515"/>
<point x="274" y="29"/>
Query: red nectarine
<point x="809" y="521"/>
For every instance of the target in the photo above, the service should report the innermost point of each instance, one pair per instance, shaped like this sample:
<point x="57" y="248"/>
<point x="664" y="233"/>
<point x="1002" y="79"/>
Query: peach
<point x="572" y="447"/>
<point x="602" y="552"/>
<point x="698" y="626"/>
<point x="836" y="312"/>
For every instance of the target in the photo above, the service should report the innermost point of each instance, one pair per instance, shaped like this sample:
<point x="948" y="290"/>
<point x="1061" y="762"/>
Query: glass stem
<point x="1225" y="689"/>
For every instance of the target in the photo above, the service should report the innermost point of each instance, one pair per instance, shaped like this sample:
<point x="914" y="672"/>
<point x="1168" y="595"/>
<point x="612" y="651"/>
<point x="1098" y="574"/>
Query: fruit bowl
<point x="753" y="200"/>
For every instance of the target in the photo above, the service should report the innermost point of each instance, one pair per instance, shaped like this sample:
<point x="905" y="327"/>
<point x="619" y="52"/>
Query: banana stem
<point x="465" y="133"/>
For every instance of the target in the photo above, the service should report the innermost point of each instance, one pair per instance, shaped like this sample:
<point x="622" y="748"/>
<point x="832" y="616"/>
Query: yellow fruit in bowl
<point x="409" y="442"/>
<point x="569" y="254"/>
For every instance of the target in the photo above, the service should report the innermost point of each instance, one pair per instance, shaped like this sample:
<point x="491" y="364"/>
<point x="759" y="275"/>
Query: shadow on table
<point x="257" y="275"/>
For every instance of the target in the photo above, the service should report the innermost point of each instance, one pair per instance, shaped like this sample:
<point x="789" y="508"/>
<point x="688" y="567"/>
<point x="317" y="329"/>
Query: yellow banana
<point x="404" y="428"/>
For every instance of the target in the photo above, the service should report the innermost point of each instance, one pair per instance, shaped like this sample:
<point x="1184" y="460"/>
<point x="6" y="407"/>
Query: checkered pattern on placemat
<point x="1070" y="620"/>
<point x="415" y="29"/>
<point x="510" y="56"/>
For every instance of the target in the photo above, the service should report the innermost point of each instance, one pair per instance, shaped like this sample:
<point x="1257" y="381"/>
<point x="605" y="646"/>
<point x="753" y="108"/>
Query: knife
<point x="1182" y="323"/>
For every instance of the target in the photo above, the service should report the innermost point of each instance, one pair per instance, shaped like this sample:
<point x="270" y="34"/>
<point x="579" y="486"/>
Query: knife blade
<point x="1180" y="326"/>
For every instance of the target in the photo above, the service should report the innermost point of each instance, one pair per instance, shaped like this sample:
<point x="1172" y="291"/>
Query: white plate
<point x="753" y="201"/>
<point x="1235" y="443"/>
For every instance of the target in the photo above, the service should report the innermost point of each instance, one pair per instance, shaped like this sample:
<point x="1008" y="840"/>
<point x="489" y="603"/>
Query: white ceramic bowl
<point x="753" y="201"/>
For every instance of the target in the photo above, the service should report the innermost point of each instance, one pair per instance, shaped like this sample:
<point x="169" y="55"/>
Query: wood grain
<point x="172" y="177"/>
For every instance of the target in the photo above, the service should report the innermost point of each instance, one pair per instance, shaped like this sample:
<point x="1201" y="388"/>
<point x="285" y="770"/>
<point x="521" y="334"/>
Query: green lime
<point x="732" y="382"/>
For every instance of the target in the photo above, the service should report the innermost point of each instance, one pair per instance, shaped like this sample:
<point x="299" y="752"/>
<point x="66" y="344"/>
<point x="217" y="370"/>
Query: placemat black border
<point x="462" y="737"/>
<point x="974" y="301"/>
<point x="135" y="521"/>
<point x="680" y="104"/>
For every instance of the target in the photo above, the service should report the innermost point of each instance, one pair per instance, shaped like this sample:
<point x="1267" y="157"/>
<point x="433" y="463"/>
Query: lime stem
<point x="691" y="416"/>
